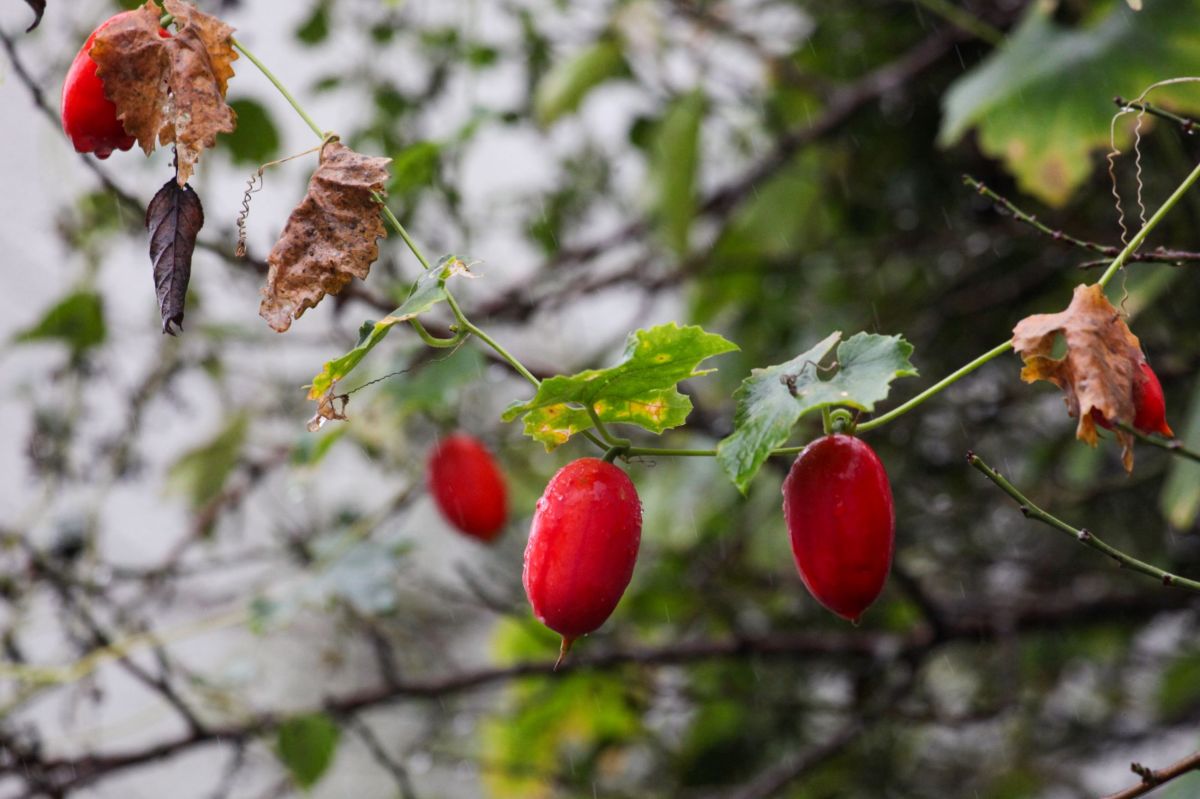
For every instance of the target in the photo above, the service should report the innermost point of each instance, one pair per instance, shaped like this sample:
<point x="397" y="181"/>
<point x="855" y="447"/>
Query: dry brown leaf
<point x="1100" y="366"/>
<point x="174" y="219"/>
<point x="169" y="90"/>
<point x="330" y="408"/>
<point x="201" y="66"/>
<point x="330" y="236"/>
<point x="135" y="65"/>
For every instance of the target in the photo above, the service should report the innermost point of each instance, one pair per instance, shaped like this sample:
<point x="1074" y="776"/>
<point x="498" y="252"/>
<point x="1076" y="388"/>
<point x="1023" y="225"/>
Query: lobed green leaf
<point x="772" y="400"/>
<point x="1041" y="102"/>
<point x="428" y="291"/>
<point x="640" y="390"/>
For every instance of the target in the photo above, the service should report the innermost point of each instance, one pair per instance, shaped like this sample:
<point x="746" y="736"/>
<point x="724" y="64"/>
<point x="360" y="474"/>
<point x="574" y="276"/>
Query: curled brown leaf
<point x="169" y="90"/>
<point x="39" y="8"/>
<point x="330" y="237"/>
<point x="201" y="65"/>
<point x="174" y="218"/>
<point x="1099" y="368"/>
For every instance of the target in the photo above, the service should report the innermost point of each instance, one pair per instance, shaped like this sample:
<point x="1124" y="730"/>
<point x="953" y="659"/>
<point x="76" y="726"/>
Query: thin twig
<point x="1173" y="446"/>
<point x="1083" y="536"/>
<point x="1188" y="125"/>
<point x="1152" y="779"/>
<point x="976" y="626"/>
<point x="1157" y="255"/>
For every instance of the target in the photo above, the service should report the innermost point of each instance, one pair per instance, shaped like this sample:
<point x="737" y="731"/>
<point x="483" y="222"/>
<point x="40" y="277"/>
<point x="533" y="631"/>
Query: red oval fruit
<point x="838" y="507"/>
<point x="468" y="486"/>
<point x="582" y="547"/>
<point x="1149" y="405"/>
<point x="89" y="118"/>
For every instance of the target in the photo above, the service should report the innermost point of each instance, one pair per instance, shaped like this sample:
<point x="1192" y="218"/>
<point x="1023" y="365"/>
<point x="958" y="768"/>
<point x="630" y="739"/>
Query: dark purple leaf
<point x="174" y="219"/>
<point x="39" y="8"/>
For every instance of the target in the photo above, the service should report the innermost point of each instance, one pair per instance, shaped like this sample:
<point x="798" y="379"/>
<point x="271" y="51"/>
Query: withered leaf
<point x="1099" y="368"/>
<point x="330" y="408"/>
<point x="39" y="8"/>
<point x="174" y="219"/>
<point x="169" y="90"/>
<point x="134" y="62"/>
<point x="201" y="66"/>
<point x="330" y="237"/>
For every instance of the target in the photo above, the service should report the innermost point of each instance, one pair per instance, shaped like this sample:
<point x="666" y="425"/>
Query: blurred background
<point x="198" y="598"/>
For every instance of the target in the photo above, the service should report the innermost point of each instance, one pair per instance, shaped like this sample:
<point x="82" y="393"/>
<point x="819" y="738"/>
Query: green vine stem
<point x="1173" y="445"/>
<point x="936" y="388"/>
<point x="1152" y="223"/>
<point x="999" y="350"/>
<point x="432" y="340"/>
<point x="611" y="440"/>
<point x="1085" y="537"/>
<point x="280" y="87"/>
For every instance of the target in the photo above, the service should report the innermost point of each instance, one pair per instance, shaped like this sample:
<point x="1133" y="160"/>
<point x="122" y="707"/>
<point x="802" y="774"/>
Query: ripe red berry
<point x="1150" y="407"/>
<point x="838" y="507"/>
<point x="468" y="487"/>
<point x="582" y="547"/>
<point x="88" y="116"/>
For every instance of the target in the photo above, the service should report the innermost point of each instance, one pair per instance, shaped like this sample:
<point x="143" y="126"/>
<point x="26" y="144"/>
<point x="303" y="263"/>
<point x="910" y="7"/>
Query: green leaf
<point x="310" y="449"/>
<point x="256" y="139"/>
<point x="674" y="160"/>
<point x="1042" y="102"/>
<point x="77" y="320"/>
<point x="562" y="89"/>
<point x="428" y="291"/>
<point x="1180" y="498"/>
<point x="414" y="167"/>
<point x="640" y="390"/>
<point x="201" y="473"/>
<point x="772" y="400"/>
<point x="581" y="716"/>
<point x="315" y="29"/>
<point x="1179" y="688"/>
<point x="306" y="745"/>
<point x="434" y="388"/>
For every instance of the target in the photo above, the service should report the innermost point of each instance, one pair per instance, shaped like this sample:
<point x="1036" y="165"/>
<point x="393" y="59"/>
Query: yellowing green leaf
<point x="428" y="291"/>
<point x="640" y="390"/>
<point x="1043" y="101"/>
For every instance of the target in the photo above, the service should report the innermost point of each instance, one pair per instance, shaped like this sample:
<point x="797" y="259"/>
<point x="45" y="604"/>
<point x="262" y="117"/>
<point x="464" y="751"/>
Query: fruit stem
<point x="563" y="650"/>
<point x="671" y="453"/>
<point x="614" y="452"/>
<point x="1085" y="537"/>
<point x="609" y="438"/>
<point x="282" y="89"/>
